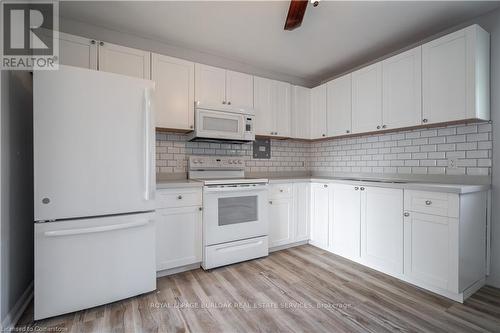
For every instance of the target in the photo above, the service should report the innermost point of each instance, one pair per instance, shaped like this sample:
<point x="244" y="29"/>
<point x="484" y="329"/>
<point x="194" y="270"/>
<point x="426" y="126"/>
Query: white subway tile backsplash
<point x="424" y="151"/>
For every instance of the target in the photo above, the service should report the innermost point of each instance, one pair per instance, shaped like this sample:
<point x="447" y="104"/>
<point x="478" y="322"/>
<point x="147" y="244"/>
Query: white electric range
<point x="235" y="222"/>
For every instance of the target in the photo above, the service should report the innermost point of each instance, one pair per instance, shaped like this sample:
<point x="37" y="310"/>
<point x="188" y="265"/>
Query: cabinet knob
<point x="428" y="202"/>
<point x="191" y="126"/>
<point x="200" y="208"/>
<point x="384" y="126"/>
<point x="325" y="185"/>
<point x="347" y="131"/>
<point x="323" y="134"/>
<point x="406" y="214"/>
<point x="92" y="42"/>
<point x="179" y="197"/>
<point x="362" y="188"/>
<point x="425" y="120"/>
<point x="228" y="103"/>
<point x="101" y="43"/>
<point x="378" y="127"/>
<point x="356" y="188"/>
<point x="281" y="191"/>
<point x="270" y="202"/>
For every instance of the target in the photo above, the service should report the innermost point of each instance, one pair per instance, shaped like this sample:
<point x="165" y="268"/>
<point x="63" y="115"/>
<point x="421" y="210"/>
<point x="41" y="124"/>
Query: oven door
<point x="219" y="125"/>
<point x="234" y="212"/>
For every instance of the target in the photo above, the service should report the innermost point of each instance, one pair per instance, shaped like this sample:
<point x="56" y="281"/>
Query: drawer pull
<point x="179" y="197"/>
<point x="356" y="188"/>
<point x="428" y="202"/>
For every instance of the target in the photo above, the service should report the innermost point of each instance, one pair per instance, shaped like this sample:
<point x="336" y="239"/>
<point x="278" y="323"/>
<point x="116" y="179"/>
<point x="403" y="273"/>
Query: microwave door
<point x="221" y="125"/>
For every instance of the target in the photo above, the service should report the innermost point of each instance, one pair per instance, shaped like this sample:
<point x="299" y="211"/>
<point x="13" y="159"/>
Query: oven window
<point x="237" y="210"/>
<point x="220" y="124"/>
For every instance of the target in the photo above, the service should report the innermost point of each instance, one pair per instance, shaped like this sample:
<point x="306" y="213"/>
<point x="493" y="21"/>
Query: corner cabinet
<point x="321" y="198"/>
<point x="272" y="107"/>
<point x="339" y="107"/>
<point x="178" y="227"/>
<point x="301" y="113"/>
<point x="318" y="112"/>
<point x="174" y="92"/>
<point x="456" y="76"/>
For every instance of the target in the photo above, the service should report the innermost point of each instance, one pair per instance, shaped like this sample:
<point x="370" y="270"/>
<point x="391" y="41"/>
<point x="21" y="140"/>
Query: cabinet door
<point x="124" y="60"/>
<point x="339" y="106"/>
<point x="178" y="237"/>
<point x="318" y="112"/>
<point x="367" y="99"/>
<point x="280" y="101"/>
<point x="301" y="205"/>
<point x="382" y="229"/>
<point x="301" y="113"/>
<point x="239" y="90"/>
<point x="77" y="51"/>
<point x="280" y="222"/>
<point x="431" y="250"/>
<point x="174" y="92"/>
<point x="320" y="209"/>
<point x="402" y="92"/>
<point x="210" y="85"/>
<point x="345" y="231"/>
<point x="263" y="106"/>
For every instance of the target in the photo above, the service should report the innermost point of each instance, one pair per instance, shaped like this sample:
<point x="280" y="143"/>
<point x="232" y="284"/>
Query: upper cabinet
<point x="367" y="99"/>
<point x="174" y="92"/>
<point x="301" y="113"/>
<point x="77" y="51"/>
<point x="339" y="109"/>
<point x="272" y="107"/>
<point x="219" y="87"/>
<point x="318" y="112"/>
<point x="401" y="90"/>
<point x="124" y="60"/>
<point x="456" y="82"/>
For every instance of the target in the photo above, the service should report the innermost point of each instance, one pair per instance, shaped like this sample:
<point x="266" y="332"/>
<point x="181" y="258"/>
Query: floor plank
<point x="302" y="289"/>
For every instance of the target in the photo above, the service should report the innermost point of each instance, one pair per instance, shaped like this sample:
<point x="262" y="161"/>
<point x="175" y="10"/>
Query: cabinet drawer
<point x="278" y="191"/>
<point x="435" y="203"/>
<point x="178" y="198"/>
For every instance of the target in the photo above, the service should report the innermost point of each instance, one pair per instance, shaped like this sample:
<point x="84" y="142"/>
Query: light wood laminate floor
<point x="302" y="289"/>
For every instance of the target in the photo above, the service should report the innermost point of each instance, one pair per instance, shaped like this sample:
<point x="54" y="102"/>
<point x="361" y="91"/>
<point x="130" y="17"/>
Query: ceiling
<point x="334" y="37"/>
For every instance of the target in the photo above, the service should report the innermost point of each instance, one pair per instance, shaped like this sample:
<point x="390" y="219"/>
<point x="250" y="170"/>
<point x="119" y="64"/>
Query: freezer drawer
<point x="88" y="262"/>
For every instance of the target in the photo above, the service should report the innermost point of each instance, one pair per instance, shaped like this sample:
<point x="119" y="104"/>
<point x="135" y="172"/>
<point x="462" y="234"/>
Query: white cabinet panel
<point x="239" y="90"/>
<point x="178" y="237"/>
<point x="318" y="112"/>
<point x="124" y="60"/>
<point x="339" y="106"/>
<point x="263" y="107"/>
<point x="210" y="85"/>
<point x="301" y="113"/>
<point x="367" y="99"/>
<point x="455" y="71"/>
<point x="77" y="51"/>
<point x="301" y="206"/>
<point x="320" y="212"/>
<point x="345" y="224"/>
<point x="431" y="250"/>
<point x="174" y="92"/>
<point x="280" y="222"/>
<point x="382" y="229"/>
<point x="402" y="92"/>
<point x="280" y="98"/>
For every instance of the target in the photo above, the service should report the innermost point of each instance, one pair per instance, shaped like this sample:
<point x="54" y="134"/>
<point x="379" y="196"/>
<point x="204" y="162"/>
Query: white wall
<point x="16" y="209"/>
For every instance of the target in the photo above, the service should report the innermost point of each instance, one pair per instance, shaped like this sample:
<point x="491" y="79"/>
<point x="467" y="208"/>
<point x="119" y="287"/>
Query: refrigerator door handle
<point x="147" y="141"/>
<point x="72" y="232"/>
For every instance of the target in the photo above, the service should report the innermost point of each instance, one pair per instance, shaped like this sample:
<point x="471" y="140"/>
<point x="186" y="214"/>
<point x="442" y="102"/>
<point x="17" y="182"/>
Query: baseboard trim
<point x="287" y="246"/>
<point x="176" y="270"/>
<point x="18" y="309"/>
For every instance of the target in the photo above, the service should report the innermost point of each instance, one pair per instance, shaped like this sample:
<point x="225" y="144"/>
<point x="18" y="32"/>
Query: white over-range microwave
<point x="223" y="124"/>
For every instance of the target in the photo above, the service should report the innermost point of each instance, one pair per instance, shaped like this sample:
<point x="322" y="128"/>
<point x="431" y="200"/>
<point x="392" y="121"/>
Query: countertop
<point x="379" y="182"/>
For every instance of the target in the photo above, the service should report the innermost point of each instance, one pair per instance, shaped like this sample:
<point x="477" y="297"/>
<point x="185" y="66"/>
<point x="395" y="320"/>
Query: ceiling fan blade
<point x="295" y="14"/>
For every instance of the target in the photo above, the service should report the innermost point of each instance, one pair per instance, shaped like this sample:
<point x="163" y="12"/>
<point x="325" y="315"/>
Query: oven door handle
<point x="235" y="188"/>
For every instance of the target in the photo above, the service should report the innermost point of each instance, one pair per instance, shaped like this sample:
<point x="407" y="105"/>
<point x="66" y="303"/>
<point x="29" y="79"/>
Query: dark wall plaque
<point x="262" y="148"/>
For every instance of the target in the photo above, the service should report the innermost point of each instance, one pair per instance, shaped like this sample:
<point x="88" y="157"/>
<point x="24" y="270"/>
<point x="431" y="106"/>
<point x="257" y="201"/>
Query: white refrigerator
<point x="94" y="177"/>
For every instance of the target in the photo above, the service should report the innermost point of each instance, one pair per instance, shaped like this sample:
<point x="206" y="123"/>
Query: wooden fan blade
<point x="295" y="14"/>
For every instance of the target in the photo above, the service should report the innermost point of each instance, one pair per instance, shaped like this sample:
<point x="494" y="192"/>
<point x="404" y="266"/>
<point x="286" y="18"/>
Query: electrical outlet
<point x="452" y="163"/>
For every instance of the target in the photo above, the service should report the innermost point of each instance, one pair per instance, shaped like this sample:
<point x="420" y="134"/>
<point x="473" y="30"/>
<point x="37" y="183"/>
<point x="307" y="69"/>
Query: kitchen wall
<point x="16" y="190"/>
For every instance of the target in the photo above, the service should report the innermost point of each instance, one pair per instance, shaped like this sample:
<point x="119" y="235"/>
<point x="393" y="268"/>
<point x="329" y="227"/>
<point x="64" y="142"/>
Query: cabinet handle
<point x="384" y="126"/>
<point x="270" y="202"/>
<point x="179" y="197"/>
<point x="406" y="214"/>
<point x="92" y="42"/>
<point x="428" y="202"/>
<point x="347" y="131"/>
<point x="425" y="120"/>
<point x="101" y="43"/>
<point x="362" y="188"/>
<point x="356" y="188"/>
<point x="378" y="127"/>
<point x="223" y="102"/>
<point x="325" y="185"/>
<point x="228" y="103"/>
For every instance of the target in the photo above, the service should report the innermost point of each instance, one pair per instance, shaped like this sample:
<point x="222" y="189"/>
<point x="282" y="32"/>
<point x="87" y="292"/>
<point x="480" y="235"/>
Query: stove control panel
<point x="216" y="162"/>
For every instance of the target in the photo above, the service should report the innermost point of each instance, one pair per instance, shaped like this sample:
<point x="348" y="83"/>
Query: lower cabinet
<point x="320" y="214"/>
<point x="288" y="213"/>
<point x="178" y="228"/>
<point x="382" y="229"/>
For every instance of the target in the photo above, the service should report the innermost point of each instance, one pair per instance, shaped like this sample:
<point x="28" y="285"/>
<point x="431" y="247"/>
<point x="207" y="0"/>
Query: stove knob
<point x="195" y="161"/>
<point x="230" y="162"/>
<point x="240" y="162"/>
